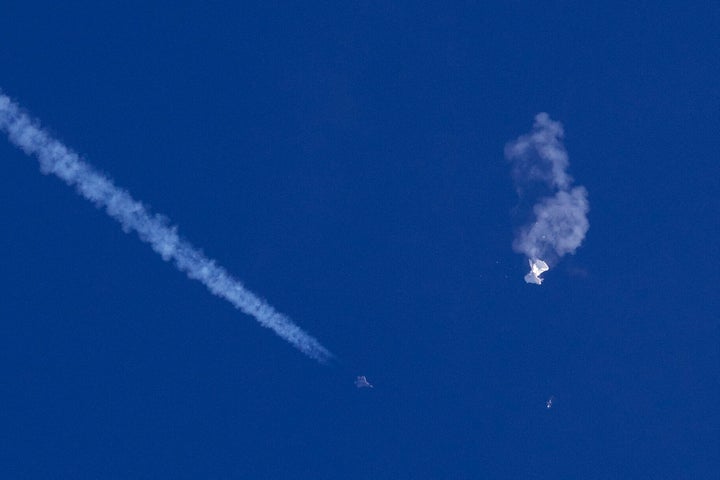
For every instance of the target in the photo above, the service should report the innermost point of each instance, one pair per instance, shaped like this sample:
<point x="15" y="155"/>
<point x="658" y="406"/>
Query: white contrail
<point x="560" y="222"/>
<point x="153" y="229"/>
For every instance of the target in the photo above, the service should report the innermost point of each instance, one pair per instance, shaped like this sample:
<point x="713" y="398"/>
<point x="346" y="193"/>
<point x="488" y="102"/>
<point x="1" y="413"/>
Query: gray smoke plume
<point x="152" y="229"/>
<point x="559" y="214"/>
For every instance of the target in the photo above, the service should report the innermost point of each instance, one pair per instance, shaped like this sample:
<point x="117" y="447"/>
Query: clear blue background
<point x="346" y="162"/>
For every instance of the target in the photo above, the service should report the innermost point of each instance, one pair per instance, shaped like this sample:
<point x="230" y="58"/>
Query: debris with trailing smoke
<point x="559" y="213"/>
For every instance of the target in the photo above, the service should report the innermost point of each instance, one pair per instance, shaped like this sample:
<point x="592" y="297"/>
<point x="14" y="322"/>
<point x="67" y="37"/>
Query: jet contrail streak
<point x="153" y="229"/>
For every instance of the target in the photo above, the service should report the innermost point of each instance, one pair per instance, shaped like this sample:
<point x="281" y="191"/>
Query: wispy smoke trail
<point x="153" y="229"/>
<point x="559" y="222"/>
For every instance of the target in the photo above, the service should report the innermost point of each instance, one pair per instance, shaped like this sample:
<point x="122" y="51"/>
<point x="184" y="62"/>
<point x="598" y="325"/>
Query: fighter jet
<point x="361" y="382"/>
<point x="537" y="268"/>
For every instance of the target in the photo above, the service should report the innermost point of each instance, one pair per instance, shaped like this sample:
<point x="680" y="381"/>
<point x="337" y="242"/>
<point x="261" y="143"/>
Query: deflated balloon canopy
<point x="537" y="268"/>
<point x="554" y="211"/>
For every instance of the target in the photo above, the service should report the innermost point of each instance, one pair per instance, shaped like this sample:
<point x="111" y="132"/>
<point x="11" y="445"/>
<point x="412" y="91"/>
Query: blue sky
<point x="346" y="163"/>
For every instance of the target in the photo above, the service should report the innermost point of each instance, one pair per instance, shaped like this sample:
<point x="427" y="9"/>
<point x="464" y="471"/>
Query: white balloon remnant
<point x="557" y="222"/>
<point x="537" y="268"/>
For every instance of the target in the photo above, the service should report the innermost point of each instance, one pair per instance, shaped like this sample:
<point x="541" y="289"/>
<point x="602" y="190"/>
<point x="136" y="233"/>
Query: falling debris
<point x="537" y="268"/>
<point x="361" y="382"/>
<point x="553" y="211"/>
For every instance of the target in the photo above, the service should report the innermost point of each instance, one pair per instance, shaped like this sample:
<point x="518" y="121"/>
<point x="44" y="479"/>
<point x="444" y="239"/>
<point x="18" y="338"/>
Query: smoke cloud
<point x="152" y="229"/>
<point x="558" y="223"/>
